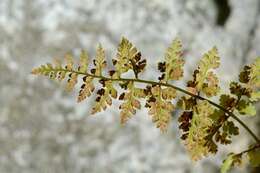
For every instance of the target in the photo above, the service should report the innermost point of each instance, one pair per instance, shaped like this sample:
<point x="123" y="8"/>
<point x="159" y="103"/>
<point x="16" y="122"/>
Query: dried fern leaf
<point x="160" y="109"/>
<point x="174" y="61"/>
<point x="69" y="62"/>
<point x="250" y="82"/>
<point x="83" y="63"/>
<point x="72" y="81"/>
<point x="86" y="88"/>
<point x="104" y="98"/>
<point x="99" y="61"/>
<point x="196" y="142"/>
<point x="126" y="53"/>
<point x="204" y="79"/>
<point x="130" y="102"/>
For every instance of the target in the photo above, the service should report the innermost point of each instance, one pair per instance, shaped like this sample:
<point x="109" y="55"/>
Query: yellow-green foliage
<point x="204" y="123"/>
<point x="130" y="102"/>
<point x="160" y="107"/>
<point x="174" y="61"/>
<point x="204" y="80"/>
<point x="196" y="141"/>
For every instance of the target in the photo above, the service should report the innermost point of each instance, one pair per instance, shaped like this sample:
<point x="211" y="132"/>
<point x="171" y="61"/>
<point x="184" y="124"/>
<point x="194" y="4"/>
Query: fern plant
<point x="204" y="123"/>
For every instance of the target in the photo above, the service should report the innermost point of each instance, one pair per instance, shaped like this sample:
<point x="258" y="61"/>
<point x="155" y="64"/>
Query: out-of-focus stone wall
<point x="42" y="129"/>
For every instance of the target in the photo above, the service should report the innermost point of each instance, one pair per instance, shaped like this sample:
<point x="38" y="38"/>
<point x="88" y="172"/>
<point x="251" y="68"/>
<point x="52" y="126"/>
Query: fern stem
<point x="250" y="149"/>
<point x="172" y="86"/>
<point x="246" y="127"/>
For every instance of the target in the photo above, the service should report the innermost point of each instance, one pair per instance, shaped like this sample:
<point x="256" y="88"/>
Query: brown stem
<point x="250" y="149"/>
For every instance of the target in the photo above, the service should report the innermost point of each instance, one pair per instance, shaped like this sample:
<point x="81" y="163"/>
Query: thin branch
<point x="249" y="149"/>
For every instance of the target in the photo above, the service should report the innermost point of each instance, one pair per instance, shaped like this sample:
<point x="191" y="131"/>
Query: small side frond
<point x="99" y="62"/>
<point x="86" y="88"/>
<point x="105" y="95"/>
<point x="83" y="63"/>
<point x="160" y="108"/>
<point x="204" y="79"/>
<point x="250" y="78"/>
<point x="196" y="142"/>
<point x="231" y="160"/>
<point x="128" y="58"/>
<point x="254" y="157"/>
<point x="130" y="102"/>
<point x="172" y="68"/>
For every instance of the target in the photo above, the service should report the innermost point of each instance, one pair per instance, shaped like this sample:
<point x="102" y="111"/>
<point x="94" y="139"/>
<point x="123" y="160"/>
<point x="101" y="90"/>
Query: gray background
<point x="43" y="130"/>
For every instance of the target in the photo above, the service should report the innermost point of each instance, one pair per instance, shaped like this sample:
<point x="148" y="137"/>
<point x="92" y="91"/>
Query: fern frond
<point x="83" y="63"/>
<point x="99" y="62"/>
<point x="105" y="95"/>
<point x="69" y="62"/>
<point x="254" y="156"/>
<point x="159" y="108"/>
<point x="231" y="160"/>
<point x="128" y="58"/>
<point x="72" y="81"/>
<point x="255" y="74"/>
<point x="204" y="123"/>
<point x="204" y="80"/>
<point x="250" y="74"/>
<point x="130" y="102"/>
<point x="125" y="53"/>
<point x="172" y="67"/>
<point x="196" y="142"/>
<point x="86" y="88"/>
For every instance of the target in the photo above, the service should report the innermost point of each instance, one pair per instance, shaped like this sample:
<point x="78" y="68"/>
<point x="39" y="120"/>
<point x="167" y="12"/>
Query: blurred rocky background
<point x="43" y="130"/>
